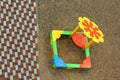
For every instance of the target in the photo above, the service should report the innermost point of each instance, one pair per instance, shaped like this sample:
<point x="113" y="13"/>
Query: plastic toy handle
<point x="89" y="43"/>
<point x="75" y="30"/>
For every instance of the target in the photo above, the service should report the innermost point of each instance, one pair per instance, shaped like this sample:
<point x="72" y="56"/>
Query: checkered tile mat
<point x="18" y="40"/>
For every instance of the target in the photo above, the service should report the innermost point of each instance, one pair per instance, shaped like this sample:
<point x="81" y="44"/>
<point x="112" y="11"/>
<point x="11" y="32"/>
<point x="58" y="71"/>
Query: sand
<point x="63" y="15"/>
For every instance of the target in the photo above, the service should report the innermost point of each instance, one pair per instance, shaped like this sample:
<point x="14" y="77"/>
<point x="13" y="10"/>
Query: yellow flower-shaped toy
<point x="91" y="30"/>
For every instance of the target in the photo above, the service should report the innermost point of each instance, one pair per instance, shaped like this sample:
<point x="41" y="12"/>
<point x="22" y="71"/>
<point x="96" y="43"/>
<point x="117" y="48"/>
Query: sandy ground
<point x="63" y="15"/>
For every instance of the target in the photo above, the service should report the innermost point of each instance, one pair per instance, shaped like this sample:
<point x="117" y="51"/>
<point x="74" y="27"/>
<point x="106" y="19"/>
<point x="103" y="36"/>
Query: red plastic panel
<point x="79" y="40"/>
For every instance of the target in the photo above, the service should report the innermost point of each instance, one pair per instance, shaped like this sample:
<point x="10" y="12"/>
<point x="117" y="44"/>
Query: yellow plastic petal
<point x="85" y="18"/>
<point x="80" y="19"/>
<point x="102" y="39"/>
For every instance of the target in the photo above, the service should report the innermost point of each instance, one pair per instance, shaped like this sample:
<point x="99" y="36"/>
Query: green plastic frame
<point x="57" y="61"/>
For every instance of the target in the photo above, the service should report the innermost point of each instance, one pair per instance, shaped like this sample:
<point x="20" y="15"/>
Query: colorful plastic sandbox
<point x="91" y="31"/>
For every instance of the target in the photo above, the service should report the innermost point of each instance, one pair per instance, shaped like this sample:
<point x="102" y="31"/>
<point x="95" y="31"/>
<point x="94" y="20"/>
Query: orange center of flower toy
<point x="89" y="27"/>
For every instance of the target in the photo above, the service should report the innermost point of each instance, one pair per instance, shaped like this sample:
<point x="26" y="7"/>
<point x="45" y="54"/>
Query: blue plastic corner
<point x="58" y="62"/>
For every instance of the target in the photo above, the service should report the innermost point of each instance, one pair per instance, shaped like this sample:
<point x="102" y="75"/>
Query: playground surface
<point x="63" y="15"/>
